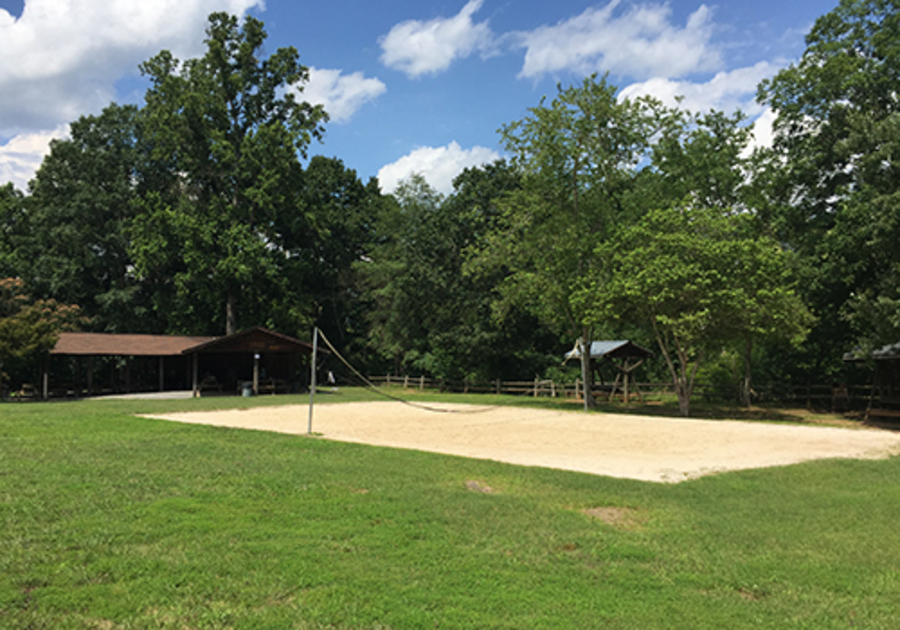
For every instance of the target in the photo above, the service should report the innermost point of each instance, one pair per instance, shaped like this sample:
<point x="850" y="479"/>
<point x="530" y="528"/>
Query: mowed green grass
<point x="108" y="521"/>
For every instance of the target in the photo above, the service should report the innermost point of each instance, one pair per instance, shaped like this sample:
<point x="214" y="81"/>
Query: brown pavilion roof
<point x="256" y="339"/>
<point x="88" y="344"/>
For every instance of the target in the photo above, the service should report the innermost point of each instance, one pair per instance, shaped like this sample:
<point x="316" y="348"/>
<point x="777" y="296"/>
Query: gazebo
<point x="625" y="355"/>
<point x="885" y="397"/>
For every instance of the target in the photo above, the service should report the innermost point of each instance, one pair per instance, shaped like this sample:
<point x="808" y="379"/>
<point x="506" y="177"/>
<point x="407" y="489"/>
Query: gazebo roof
<point x="890" y="352"/>
<point x="621" y="349"/>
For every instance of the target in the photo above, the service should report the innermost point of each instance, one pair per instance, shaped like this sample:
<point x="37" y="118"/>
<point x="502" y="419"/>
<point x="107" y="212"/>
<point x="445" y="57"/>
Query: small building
<point x="625" y="355"/>
<point x="617" y="350"/>
<point x="97" y="363"/>
<point x="885" y="396"/>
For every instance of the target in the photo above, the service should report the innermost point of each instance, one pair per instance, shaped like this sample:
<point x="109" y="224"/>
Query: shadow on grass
<point x="653" y="405"/>
<point x="662" y="406"/>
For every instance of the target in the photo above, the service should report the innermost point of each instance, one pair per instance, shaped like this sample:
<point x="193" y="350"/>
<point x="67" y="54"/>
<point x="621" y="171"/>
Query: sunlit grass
<point x="112" y="521"/>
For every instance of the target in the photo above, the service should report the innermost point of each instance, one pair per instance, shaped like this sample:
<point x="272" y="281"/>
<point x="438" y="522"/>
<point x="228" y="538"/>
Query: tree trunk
<point x="746" y="383"/>
<point x="684" y="400"/>
<point x="230" y="314"/>
<point x="587" y="372"/>
<point x="684" y="380"/>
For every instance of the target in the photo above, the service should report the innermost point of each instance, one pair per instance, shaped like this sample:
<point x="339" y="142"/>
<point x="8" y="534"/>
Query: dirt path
<point x="634" y="447"/>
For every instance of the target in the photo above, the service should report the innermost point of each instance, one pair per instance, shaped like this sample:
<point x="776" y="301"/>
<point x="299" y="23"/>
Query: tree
<point x="29" y="327"/>
<point x="703" y="158"/>
<point x="229" y="130"/>
<point x="76" y="231"/>
<point x="838" y="138"/>
<point x="12" y="229"/>
<point x="323" y="243"/>
<point x="697" y="278"/>
<point x="579" y="157"/>
<point x="402" y="287"/>
<point x="426" y="312"/>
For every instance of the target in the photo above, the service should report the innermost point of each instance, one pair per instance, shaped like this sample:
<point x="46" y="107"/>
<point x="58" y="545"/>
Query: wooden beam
<point x="194" y="370"/>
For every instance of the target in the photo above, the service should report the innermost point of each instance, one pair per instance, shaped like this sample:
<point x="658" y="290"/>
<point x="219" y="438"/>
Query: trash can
<point x="246" y="389"/>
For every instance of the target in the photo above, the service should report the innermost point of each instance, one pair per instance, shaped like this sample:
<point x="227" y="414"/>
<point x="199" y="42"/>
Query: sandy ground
<point x="634" y="447"/>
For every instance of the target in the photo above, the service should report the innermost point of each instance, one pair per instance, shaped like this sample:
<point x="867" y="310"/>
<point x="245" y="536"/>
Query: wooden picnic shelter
<point x="884" y="399"/>
<point x="257" y="359"/>
<point x="625" y="355"/>
<point x="122" y="352"/>
<point x="262" y="359"/>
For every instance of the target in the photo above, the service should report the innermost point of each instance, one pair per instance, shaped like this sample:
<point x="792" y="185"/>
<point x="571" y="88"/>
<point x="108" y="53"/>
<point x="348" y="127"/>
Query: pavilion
<point x="256" y="358"/>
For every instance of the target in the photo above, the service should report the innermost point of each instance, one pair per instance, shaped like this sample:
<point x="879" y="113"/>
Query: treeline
<point x="198" y="213"/>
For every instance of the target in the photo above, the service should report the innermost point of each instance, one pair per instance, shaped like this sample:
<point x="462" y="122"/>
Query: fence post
<point x="466" y="385"/>
<point x="499" y="387"/>
<point x="388" y="380"/>
<point x="577" y="390"/>
<point x="406" y="381"/>
<point x="422" y="383"/>
<point x="536" y="386"/>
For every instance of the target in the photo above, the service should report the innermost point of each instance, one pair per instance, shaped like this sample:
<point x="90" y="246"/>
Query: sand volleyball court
<point x="633" y="447"/>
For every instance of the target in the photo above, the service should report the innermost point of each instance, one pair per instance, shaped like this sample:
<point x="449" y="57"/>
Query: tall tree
<point x="427" y="313"/>
<point x="838" y="136"/>
<point x="579" y="157"/>
<point x="704" y="159"/>
<point x="230" y="130"/>
<point x="12" y="228"/>
<point x="84" y="198"/>
<point x="323" y="244"/>
<point x="402" y="287"/>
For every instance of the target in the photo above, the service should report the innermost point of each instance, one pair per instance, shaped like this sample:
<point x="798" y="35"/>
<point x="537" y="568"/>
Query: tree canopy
<point x="578" y="156"/>
<point x="837" y="134"/>
<point x="29" y="328"/>
<point x="199" y="211"/>
<point x="698" y="278"/>
<point x="229" y="129"/>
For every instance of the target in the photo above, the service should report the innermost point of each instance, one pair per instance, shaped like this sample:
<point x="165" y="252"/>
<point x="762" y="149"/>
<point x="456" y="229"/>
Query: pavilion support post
<point x="90" y="375"/>
<point x="162" y="374"/>
<point x="256" y="374"/>
<point x="45" y="379"/>
<point x="195" y="388"/>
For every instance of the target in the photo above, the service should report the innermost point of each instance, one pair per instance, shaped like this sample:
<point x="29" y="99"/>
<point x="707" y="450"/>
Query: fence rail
<point x="814" y="395"/>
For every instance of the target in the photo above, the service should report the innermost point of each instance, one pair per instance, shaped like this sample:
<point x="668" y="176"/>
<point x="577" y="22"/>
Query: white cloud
<point x="61" y="58"/>
<point x="637" y="42"/>
<point x="726" y="91"/>
<point x="23" y="154"/>
<point x="763" y="131"/>
<point x="418" y="48"/>
<point x="438" y="165"/>
<point x="342" y="95"/>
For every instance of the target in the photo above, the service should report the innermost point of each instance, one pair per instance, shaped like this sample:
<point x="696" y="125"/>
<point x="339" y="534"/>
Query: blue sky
<point x="411" y="86"/>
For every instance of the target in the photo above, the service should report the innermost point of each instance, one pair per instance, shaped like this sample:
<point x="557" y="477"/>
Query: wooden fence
<point x="812" y="396"/>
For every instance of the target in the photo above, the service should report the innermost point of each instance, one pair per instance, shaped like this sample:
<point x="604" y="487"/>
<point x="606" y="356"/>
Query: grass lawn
<point x="112" y="521"/>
